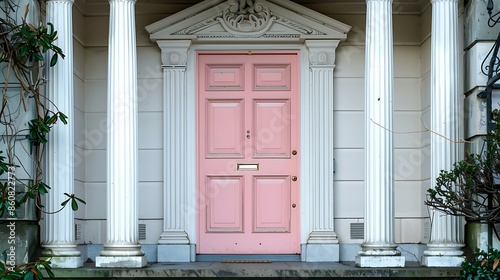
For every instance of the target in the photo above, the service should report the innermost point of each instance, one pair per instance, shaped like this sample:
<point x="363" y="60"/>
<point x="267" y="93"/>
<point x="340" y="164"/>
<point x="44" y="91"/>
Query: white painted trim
<point x="295" y="22"/>
<point x="292" y="22"/>
<point x="191" y="141"/>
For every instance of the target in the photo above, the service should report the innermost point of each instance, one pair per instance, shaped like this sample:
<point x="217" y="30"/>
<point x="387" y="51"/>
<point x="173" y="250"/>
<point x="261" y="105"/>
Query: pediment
<point x="227" y="20"/>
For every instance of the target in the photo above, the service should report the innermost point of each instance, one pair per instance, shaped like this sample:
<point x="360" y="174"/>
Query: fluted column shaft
<point x="58" y="239"/>
<point x="175" y="155"/>
<point x="320" y="138"/>
<point x="446" y="237"/>
<point x="122" y="216"/>
<point x="175" y="244"/>
<point x="379" y="246"/>
<point x="174" y="59"/>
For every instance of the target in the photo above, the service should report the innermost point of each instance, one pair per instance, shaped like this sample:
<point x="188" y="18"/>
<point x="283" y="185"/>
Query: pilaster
<point x="174" y="243"/>
<point x="446" y="233"/>
<point x="379" y="248"/>
<point x="58" y="239"/>
<point x="122" y="248"/>
<point x="322" y="244"/>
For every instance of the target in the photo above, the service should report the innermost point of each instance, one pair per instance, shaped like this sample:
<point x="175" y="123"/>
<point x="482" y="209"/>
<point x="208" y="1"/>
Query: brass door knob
<point x="294" y="178"/>
<point x="294" y="152"/>
<point x="294" y="205"/>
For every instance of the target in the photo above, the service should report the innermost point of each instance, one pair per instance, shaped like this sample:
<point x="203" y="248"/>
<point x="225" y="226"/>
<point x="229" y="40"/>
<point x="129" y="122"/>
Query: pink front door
<point x="248" y="153"/>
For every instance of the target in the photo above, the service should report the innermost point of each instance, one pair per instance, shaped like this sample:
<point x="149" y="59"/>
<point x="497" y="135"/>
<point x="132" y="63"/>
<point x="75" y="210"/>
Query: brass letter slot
<point x="248" y="166"/>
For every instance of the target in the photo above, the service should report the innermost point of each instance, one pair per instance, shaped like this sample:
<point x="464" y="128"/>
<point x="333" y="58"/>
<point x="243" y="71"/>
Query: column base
<point x="323" y="237"/>
<point x="320" y="253"/>
<point x="176" y="253"/>
<point x="62" y="255"/>
<point x="64" y="262"/>
<point x="443" y="255"/>
<point x="442" y="261"/>
<point x="121" y="261"/>
<point x="174" y="237"/>
<point x="380" y="261"/>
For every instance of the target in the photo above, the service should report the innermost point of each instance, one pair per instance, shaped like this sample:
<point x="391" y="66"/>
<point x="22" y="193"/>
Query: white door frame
<point x="319" y="240"/>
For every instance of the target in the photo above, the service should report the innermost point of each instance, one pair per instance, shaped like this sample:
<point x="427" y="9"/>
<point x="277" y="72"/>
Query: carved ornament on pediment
<point x="246" y="17"/>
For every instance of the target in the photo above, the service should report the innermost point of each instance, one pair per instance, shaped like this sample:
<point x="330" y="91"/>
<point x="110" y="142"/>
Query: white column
<point x="59" y="237"/>
<point x="174" y="243"/>
<point x="446" y="232"/>
<point x="122" y="248"/>
<point x="322" y="244"/>
<point x="379" y="248"/>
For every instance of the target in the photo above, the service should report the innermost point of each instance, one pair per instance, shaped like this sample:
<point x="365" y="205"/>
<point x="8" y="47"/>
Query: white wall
<point x="412" y="60"/>
<point x="349" y="120"/>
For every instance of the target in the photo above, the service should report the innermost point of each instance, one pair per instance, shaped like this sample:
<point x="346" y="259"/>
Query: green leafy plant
<point x="26" y="49"/>
<point x="25" y="271"/>
<point x="484" y="265"/>
<point x="470" y="189"/>
<point x="40" y="127"/>
<point x="23" y="48"/>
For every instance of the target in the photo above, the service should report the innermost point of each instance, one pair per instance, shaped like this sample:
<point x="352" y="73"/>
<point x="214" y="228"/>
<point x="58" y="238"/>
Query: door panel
<point x="271" y="204"/>
<point x="224" y="204"/>
<point x="272" y="77"/>
<point x="272" y="128"/>
<point x="248" y="124"/>
<point x="225" y="77"/>
<point x="225" y="120"/>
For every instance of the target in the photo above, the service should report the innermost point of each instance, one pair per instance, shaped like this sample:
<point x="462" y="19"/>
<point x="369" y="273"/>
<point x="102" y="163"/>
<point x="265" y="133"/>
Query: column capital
<point x="174" y="52"/>
<point x="322" y="52"/>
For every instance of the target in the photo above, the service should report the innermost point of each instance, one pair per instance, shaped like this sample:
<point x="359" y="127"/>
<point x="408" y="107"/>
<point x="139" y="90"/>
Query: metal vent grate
<point x="78" y="232"/>
<point x="142" y="231"/>
<point x="357" y="231"/>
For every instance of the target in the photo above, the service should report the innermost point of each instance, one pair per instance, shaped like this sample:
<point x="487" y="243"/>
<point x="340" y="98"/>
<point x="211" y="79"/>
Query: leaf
<point x="65" y="202"/>
<point x="74" y="205"/>
<point x="81" y="200"/>
<point x="48" y="268"/>
<point x="28" y="276"/>
<point x="51" y="26"/>
<point x="38" y="56"/>
<point x="495" y="264"/>
<point x="63" y="118"/>
<point x="31" y="194"/>
<point x="51" y="120"/>
<point x="53" y="60"/>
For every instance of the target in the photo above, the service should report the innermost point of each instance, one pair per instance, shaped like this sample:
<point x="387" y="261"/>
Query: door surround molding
<point x="317" y="62"/>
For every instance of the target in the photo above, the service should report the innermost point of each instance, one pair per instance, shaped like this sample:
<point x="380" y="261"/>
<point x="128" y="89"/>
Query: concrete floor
<point x="273" y="269"/>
